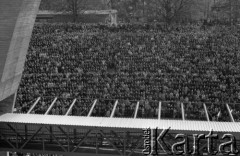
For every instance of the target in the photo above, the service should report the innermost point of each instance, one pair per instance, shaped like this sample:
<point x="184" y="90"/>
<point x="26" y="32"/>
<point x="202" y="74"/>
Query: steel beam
<point x="110" y="142"/>
<point x="80" y="143"/>
<point x="183" y="113"/>
<point x="33" y="135"/>
<point x="55" y="138"/>
<point x="14" y="101"/>
<point x="114" y="108"/>
<point x="230" y="113"/>
<point x="116" y="136"/>
<point x="35" y="103"/>
<point x="7" y="140"/>
<point x="15" y="131"/>
<point x="91" y="110"/>
<point x="159" y="110"/>
<point x="139" y="143"/>
<point x="70" y="108"/>
<point x="66" y="134"/>
<point x="54" y="153"/>
<point x="206" y="112"/>
<point x="26" y="132"/>
<point x="124" y="143"/>
<point x="136" y="111"/>
<point x="51" y="106"/>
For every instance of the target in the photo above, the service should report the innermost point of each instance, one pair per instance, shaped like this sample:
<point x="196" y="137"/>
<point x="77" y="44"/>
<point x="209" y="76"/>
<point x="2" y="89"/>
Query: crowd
<point x="133" y="63"/>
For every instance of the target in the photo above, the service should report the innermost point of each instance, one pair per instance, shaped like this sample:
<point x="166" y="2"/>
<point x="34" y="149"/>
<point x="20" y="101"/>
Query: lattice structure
<point x="87" y="134"/>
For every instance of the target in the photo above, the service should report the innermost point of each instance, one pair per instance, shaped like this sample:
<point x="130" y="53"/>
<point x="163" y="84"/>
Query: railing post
<point x="136" y="111"/>
<point x="91" y="110"/>
<point x="159" y="110"/>
<point x="206" y="112"/>
<point x="114" y="108"/>
<point x="70" y="108"/>
<point x="183" y="113"/>
<point x="51" y="106"/>
<point x="14" y="101"/>
<point x="35" y="103"/>
<point x="230" y="113"/>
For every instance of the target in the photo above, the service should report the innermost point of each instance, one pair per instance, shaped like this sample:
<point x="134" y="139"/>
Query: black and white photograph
<point x="119" y="77"/>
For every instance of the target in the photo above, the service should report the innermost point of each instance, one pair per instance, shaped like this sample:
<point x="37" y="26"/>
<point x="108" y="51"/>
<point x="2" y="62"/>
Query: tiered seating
<point x="183" y="66"/>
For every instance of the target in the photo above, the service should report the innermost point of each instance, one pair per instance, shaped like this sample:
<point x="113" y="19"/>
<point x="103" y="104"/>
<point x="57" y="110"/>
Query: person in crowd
<point x="131" y="62"/>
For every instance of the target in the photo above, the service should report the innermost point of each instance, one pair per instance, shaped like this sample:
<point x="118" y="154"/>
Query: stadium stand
<point x="91" y="89"/>
<point x="130" y="63"/>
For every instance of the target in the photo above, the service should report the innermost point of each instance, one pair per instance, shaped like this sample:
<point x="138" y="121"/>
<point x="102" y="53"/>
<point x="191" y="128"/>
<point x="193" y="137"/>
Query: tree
<point x="124" y="7"/>
<point x="54" y="5"/>
<point x="228" y="8"/>
<point x="162" y="10"/>
<point x="172" y="10"/>
<point x="75" y="7"/>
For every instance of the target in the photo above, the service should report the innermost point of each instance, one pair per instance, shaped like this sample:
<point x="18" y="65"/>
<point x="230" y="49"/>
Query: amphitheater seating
<point x="180" y="67"/>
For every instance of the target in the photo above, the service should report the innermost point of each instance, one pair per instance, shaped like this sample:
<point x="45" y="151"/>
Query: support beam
<point x="136" y="111"/>
<point x="124" y="143"/>
<point x="55" y="138"/>
<point x="14" y="101"/>
<point x="35" y="103"/>
<point x="91" y="110"/>
<point x="230" y="113"/>
<point x="33" y="135"/>
<point x="15" y="131"/>
<point x="183" y="112"/>
<point x="66" y="134"/>
<point x="70" y="108"/>
<point x="110" y="142"/>
<point x="159" y="110"/>
<point x="51" y="132"/>
<point x="17" y="140"/>
<point x="82" y="140"/>
<point x="138" y="143"/>
<point x="114" y="108"/>
<point x="117" y="137"/>
<point x="97" y="147"/>
<point x="6" y="139"/>
<point x="206" y="112"/>
<point x="51" y="106"/>
<point x="26" y="131"/>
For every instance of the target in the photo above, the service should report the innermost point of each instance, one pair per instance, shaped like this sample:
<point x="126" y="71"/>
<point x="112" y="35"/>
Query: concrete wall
<point x="17" y="19"/>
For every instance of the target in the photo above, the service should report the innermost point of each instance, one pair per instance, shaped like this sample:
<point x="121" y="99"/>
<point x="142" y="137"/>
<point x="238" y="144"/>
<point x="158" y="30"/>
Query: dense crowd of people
<point x="183" y="67"/>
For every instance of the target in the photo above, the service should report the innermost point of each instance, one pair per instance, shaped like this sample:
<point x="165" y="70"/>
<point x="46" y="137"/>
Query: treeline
<point x="168" y="11"/>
